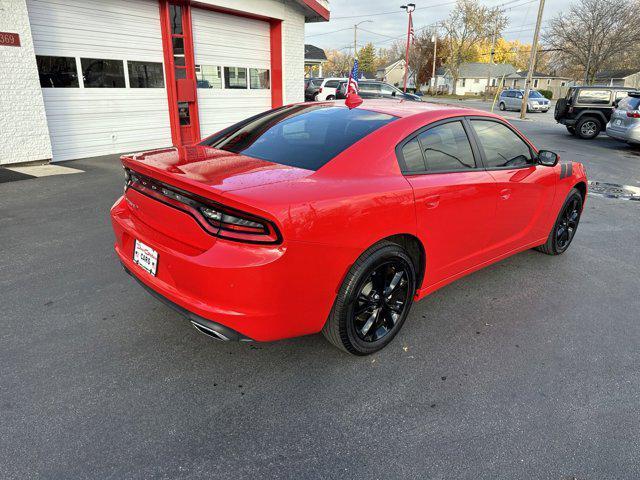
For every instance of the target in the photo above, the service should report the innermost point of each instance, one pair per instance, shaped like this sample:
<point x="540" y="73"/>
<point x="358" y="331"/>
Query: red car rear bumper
<point x="260" y="292"/>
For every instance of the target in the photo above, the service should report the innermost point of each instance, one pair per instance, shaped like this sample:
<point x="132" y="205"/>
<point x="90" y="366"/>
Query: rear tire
<point x="566" y="225"/>
<point x="588" y="128"/>
<point x="331" y="97"/>
<point x="373" y="301"/>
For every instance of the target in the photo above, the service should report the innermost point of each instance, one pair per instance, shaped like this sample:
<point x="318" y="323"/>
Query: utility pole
<point x="532" y="62"/>
<point x="409" y="7"/>
<point x="355" y="37"/>
<point x="434" y="39"/>
<point x="489" y="68"/>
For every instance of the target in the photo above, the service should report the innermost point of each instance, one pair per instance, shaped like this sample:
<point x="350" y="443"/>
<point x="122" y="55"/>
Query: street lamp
<point x="409" y="8"/>
<point x="355" y="37"/>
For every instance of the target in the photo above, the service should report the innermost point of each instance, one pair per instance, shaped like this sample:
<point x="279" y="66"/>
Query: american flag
<point x="352" y="86"/>
<point x="353" y="99"/>
<point x="412" y="32"/>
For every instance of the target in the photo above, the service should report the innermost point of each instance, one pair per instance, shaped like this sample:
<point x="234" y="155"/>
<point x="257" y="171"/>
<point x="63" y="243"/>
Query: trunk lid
<point x="218" y="171"/>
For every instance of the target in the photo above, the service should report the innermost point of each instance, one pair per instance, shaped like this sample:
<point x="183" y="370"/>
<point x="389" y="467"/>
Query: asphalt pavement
<point x="527" y="369"/>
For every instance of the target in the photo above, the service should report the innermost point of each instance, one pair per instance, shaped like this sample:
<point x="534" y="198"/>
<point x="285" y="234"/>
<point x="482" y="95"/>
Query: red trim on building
<point x="185" y="90"/>
<point x="316" y="7"/>
<point x="169" y="74"/>
<point x="276" y="63"/>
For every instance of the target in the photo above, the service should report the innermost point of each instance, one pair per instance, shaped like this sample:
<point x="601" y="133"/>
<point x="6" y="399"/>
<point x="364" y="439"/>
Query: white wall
<point x="24" y="136"/>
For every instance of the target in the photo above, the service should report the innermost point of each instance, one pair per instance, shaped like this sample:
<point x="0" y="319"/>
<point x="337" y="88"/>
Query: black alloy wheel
<point x="374" y="300"/>
<point x="566" y="225"/>
<point x="382" y="300"/>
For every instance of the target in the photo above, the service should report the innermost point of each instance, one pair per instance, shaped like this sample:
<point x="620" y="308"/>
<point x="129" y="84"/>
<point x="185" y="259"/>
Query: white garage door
<point x="100" y="66"/>
<point x="233" y="61"/>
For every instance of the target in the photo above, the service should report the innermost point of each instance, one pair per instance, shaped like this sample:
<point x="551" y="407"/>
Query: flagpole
<point x="409" y="7"/>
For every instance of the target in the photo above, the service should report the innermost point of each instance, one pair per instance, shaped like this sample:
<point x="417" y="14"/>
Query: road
<point x="527" y="369"/>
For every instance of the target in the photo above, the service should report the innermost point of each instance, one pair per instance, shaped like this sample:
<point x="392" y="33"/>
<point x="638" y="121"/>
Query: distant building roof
<point x="524" y="73"/>
<point x="481" y="70"/>
<point x="311" y="52"/>
<point x="608" y="74"/>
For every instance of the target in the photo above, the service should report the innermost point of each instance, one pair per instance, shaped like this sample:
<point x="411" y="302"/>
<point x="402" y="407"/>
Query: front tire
<point x="566" y="225"/>
<point x="571" y="130"/>
<point x="502" y="107"/>
<point x="588" y="128"/>
<point x="374" y="300"/>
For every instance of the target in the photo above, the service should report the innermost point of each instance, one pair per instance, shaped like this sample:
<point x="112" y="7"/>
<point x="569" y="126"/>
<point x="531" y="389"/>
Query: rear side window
<point x="594" y="97"/>
<point x="446" y="147"/>
<point x="303" y="136"/>
<point x="502" y="147"/>
<point x="412" y="156"/>
<point x="332" y="83"/>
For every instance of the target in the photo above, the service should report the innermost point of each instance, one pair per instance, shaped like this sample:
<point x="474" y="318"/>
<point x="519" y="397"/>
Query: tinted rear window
<point x="303" y="136"/>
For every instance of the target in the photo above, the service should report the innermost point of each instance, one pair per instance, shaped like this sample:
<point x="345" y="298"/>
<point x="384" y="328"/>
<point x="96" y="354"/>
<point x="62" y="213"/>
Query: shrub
<point x="548" y="94"/>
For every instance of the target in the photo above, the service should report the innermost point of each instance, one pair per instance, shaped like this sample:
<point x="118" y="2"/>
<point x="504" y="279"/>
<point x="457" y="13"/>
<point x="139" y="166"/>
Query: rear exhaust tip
<point x="209" y="332"/>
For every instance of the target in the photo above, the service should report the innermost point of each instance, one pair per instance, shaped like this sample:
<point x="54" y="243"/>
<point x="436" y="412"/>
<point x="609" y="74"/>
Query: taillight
<point x="633" y="114"/>
<point x="215" y="218"/>
<point x="320" y="90"/>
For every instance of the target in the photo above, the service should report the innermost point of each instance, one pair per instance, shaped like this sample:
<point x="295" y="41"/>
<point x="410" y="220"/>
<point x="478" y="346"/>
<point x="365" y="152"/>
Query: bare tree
<point x="338" y="64"/>
<point x="469" y="23"/>
<point x="593" y="35"/>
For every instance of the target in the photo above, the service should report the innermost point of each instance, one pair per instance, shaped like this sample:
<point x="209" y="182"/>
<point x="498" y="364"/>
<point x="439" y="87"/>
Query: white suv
<point x="327" y="89"/>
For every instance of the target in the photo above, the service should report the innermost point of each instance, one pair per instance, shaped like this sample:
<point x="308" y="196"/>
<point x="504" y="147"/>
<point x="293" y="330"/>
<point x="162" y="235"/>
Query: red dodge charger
<point x="315" y="217"/>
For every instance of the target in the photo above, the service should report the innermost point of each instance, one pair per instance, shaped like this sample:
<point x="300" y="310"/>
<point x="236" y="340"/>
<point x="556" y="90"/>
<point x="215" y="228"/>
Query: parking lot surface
<point x="527" y="369"/>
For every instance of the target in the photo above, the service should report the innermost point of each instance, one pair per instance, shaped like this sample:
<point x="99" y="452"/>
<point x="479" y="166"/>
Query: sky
<point x="388" y="21"/>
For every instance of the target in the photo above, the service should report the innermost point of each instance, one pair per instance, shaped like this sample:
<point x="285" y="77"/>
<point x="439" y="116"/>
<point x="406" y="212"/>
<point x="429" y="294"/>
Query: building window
<point x="101" y="73"/>
<point x="535" y="83"/>
<point x="175" y="16"/>
<point x="548" y="81"/>
<point x="563" y="84"/>
<point x="208" y="76"/>
<point x="476" y="80"/>
<point x="183" y="113"/>
<point x="259" y="78"/>
<point x="235" y="77"/>
<point x="145" y="74"/>
<point x="464" y="82"/>
<point x="57" y="72"/>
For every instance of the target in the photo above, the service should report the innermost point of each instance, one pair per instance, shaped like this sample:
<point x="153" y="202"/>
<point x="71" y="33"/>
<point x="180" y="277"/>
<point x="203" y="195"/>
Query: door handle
<point x="432" y="201"/>
<point x="505" y="193"/>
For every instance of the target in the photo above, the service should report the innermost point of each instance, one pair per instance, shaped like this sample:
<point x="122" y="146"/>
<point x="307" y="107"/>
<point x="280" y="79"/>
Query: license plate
<point x="146" y="257"/>
<point x="617" y="123"/>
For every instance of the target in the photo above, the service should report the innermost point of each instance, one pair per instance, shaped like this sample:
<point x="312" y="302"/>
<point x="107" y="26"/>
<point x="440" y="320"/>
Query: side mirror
<point x="547" y="158"/>
<point x="393" y="93"/>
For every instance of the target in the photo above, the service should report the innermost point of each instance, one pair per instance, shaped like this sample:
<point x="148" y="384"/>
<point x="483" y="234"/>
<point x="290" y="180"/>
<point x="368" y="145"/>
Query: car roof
<point x="401" y="108"/>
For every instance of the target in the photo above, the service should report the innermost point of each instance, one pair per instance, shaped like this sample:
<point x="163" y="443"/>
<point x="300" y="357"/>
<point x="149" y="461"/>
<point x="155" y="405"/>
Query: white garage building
<point x="82" y="78"/>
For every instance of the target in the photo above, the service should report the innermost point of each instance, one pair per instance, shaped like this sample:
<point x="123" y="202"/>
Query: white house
<point x="81" y="78"/>
<point x="473" y="77"/>
<point x="393" y="73"/>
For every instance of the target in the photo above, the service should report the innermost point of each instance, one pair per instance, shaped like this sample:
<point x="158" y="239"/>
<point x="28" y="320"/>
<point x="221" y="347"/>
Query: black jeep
<point x="586" y="110"/>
